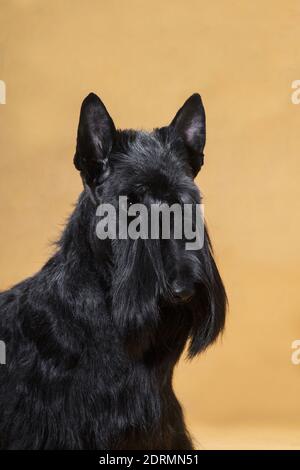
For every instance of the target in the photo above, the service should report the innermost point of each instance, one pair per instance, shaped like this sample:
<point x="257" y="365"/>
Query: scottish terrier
<point x="92" y="339"/>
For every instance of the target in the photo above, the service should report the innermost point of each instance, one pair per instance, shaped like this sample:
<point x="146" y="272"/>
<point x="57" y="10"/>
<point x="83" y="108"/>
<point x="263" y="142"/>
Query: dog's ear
<point x="95" y="137"/>
<point x="189" y="124"/>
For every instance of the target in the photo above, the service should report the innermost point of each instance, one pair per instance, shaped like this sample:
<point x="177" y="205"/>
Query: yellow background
<point x="144" y="58"/>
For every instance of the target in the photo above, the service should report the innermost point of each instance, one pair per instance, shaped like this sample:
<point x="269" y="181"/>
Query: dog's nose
<point x="182" y="293"/>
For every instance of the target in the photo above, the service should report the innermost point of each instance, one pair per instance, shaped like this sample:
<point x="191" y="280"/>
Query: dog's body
<point x="92" y="339"/>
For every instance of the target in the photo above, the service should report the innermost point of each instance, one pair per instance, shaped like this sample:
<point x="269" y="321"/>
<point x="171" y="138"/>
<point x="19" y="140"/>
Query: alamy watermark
<point x="2" y="92"/>
<point x="2" y="352"/>
<point x="295" y="357"/>
<point x="296" y="94"/>
<point x="160" y="221"/>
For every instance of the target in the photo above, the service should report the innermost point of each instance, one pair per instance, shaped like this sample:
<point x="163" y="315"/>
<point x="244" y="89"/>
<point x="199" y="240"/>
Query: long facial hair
<point x="140" y="283"/>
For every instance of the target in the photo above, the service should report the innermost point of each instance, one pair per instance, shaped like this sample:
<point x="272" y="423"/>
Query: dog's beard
<point x="140" y="283"/>
<point x="135" y="291"/>
<point x="209" y="303"/>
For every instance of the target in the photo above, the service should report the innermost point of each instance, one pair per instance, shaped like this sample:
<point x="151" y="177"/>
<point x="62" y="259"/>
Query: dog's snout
<point x="182" y="293"/>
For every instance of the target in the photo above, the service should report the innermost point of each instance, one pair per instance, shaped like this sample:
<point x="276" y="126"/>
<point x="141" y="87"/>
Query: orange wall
<point x="144" y="58"/>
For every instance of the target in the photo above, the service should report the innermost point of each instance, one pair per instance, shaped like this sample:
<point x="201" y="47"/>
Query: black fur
<point x="92" y="339"/>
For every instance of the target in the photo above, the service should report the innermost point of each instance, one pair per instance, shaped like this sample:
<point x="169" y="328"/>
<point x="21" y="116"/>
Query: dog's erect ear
<point x="189" y="124"/>
<point x="95" y="137"/>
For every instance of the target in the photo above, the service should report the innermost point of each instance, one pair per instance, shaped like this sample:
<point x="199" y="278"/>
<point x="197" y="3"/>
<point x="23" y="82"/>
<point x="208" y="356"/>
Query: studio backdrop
<point x="144" y="58"/>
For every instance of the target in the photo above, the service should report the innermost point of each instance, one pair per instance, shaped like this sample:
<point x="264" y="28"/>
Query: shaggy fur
<point x="92" y="339"/>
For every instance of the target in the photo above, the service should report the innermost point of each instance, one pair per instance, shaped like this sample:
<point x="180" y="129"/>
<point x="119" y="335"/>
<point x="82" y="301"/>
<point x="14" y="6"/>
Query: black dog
<point x="92" y="339"/>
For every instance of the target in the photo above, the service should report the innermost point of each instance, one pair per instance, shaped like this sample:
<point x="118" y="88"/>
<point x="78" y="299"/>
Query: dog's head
<point x="141" y="175"/>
